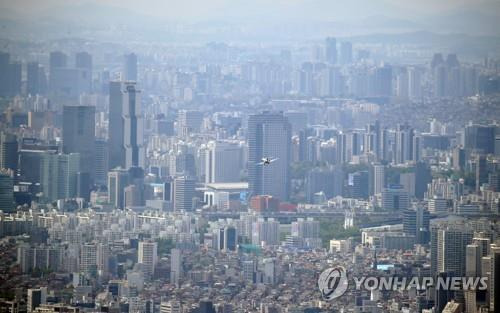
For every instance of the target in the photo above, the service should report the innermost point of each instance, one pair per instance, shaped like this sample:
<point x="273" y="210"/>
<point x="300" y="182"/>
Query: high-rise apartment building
<point x="147" y="255"/>
<point x="175" y="266"/>
<point x="331" y="50"/>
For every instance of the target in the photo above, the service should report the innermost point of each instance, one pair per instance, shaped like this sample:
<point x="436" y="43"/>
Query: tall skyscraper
<point x="58" y="175"/>
<point x="223" y="162"/>
<point x="79" y="136"/>
<point x="383" y="81"/>
<point x="269" y="135"/>
<point x="494" y="282"/>
<point x="451" y="244"/>
<point x="414" y="83"/>
<point x="6" y="192"/>
<point x="117" y="181"/>
<point x="101" y="161"/>
<point x="36" y="81"/>
<point x="345" y="52"/>
<point x="147" y="255"/>
<point x="83" y="62"/>
<point x="230" y="238"/>
<point x="10" y="76"/>
<point x="404" y="144"/>
<point x="378" y="178"/>
<point x="480" y="138"/>
<point x="116" y="148"/>
<point x="175" y="266"/>
<point x="130" y="67"/>
<point x="57" y="59"/>
<point x="331" y="50"/>
<point x="4" y="70"/>
<point x="8" y="152"/>
<point x="133" y="139"/>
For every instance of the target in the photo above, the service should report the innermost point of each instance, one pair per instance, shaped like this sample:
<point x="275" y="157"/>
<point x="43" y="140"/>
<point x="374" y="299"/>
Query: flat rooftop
<point x="227" y="186"/>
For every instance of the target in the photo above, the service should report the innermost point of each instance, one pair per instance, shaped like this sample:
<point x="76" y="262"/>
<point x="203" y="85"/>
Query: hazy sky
<point x="213" y="9"/>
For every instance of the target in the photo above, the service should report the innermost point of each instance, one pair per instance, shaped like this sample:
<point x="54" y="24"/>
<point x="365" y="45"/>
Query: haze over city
<point x="249" y="156"/>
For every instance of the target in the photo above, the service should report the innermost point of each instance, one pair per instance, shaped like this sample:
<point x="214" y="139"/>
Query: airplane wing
<point x="272" y="160"/>
<point x="260" y="163"/>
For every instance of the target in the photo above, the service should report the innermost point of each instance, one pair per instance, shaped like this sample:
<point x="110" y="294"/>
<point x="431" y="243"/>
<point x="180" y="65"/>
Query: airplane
<point x="266" y="161"/>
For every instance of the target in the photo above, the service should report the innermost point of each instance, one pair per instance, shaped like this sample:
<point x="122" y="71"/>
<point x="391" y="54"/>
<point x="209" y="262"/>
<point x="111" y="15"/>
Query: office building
<point x="101" y="162"/>
<point x="58" y="175"/>
<point x="223" y="162"/>
<point x="133" y="139"/>
<point x="378" y="179"/>
<point x="36" y="297"/>
<point x="451" y="247"/>
<point x="358" y="184"/>
<point x="36" y="80"/>
<point x="416" y="223"/>
<point x="395" y="198"/>
<point x="8" y="152"/>
<point x="10" y="76"/>
<point x="480" y="138"/>
<point x="57" y="59"/>
<point x="6" y="192"/>
<point x="189" y="121"/>
<point x="118" y="179"/>
<point x="404" y="144"/>
<point x="230" y="238"/>
<point x="79" y="136"/>
<point x="130" y="67"/>
<point x="269" y="135"/>
<point x="116" y="148"/>
<point x="184" y="192"/>
<point x="494" y="282"/>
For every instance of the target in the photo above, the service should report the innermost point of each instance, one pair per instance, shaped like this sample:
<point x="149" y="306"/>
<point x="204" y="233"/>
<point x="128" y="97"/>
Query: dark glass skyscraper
<point x="133" y="127"/>
<point x="269" y="135"/>
<point x="79" y="135"/>
<point x="115" y="134"/>
<point x="130" y="67"/>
